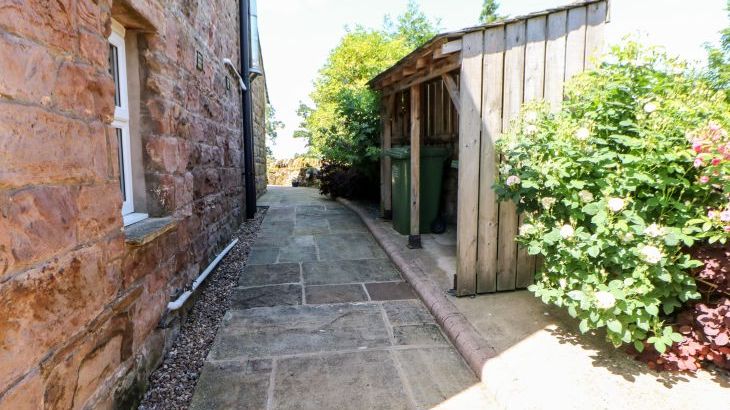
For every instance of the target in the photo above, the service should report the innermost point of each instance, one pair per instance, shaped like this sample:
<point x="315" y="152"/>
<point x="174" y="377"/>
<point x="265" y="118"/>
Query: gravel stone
<point x="171" y="386"/>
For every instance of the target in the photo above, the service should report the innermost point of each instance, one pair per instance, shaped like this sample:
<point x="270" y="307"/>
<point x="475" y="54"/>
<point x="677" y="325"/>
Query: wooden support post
<point x="414" y="240"/>
<point x="386" y="197"/>
<point x="469" y="151"/>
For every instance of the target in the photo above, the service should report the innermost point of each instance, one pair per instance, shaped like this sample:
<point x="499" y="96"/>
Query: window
<point x="120" y="125"/>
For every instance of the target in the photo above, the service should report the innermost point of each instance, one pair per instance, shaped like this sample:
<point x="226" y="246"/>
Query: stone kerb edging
<point x="470" y="344"/>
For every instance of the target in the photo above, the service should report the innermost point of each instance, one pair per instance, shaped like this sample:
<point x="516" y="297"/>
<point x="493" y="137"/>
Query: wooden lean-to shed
<point x="463" y="89"/>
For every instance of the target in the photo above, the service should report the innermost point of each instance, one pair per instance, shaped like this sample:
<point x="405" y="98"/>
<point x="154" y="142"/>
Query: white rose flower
<point x="585" y="196"/>
<point x="582" y="134"/>
<point x="531" y="129"/>
<point x="651" y="254"/>
<point x="605" y="300"/>
<point x="567" y="231"/>
<point x="527" y="229"/>
<point x="616" y="204"/>
<point x="654" y="231"/>
<point x="530" y="116"/>
<point x="512" y="180"/>
<point x="548" y="202"/>
<point x="650" y="108"/>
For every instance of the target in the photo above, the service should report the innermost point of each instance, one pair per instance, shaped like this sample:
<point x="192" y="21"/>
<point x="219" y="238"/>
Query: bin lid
<point x="404" y="151"/>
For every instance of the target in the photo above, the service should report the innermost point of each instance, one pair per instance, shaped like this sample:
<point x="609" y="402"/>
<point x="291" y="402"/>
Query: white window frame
<point x="121" y="122"/>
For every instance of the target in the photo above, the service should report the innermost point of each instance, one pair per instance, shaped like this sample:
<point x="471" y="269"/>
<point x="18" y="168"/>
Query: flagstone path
<point x="322" y="320"/>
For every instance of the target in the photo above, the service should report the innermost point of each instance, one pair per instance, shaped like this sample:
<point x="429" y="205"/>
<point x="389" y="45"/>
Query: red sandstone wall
<point x="79" y="304"/>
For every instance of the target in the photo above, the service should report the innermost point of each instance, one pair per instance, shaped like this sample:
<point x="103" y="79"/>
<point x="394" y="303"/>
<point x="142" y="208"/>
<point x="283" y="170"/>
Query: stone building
<point x="121" y="178"/>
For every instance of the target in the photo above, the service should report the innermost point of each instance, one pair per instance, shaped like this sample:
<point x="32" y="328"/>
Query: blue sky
<point x="297" y="36"/>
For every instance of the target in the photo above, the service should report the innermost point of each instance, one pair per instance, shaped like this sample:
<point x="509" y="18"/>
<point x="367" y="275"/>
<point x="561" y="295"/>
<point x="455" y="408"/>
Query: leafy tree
<point x="719" y="61"/>
<point x="489" y="12"/>
<point x="272" y="124"/>
<point x="342" y="126"/>
<point x="413" y="26"/>
<point x="272" y="128"/>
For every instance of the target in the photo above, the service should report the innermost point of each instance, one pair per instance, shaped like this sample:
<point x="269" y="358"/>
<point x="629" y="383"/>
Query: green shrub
<point x="610" y="192"/>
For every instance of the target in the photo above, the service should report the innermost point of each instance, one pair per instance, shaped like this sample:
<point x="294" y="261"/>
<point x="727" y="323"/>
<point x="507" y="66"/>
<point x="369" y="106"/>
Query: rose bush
<point x="611" y="194"/>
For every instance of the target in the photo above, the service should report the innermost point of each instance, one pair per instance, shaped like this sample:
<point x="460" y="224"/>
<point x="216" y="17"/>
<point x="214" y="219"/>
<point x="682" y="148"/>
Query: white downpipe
<point x="229" y="63"/>
<point x="179" y="302"/>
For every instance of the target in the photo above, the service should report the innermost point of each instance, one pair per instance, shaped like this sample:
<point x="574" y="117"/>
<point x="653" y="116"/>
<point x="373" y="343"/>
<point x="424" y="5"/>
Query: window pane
<point x="114" y="71"/>
<point x="120" y="150"/>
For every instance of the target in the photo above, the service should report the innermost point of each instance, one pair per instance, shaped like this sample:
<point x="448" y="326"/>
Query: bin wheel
<point x="438" y="226"/>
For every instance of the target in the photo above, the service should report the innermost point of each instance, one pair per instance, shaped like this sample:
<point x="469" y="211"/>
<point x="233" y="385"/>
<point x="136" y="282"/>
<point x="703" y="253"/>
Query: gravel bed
<point x="171" y="386"/>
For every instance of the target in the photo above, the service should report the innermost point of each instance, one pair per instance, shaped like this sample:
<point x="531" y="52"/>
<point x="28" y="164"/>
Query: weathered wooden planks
<point x="534" y="88"/>
<point x="514" y="71"/>
<point x="595" y="28"/>
<point x="575" y="47"/>
<point x="555" y="58"/>
<point x="469" y="152"/>
<point x="493" y="70"/>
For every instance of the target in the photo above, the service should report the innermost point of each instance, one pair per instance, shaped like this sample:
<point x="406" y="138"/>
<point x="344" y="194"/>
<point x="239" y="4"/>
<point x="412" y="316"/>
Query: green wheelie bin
<point x="432" y="167"/>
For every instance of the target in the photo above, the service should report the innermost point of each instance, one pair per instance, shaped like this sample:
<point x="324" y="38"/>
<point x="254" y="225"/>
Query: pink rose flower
<point x="725" y="216"/>
<point x="726" y="228"/>
<point x="697" y="146"/>
<point x="711" y="214"/>
<point x="714" y="127"/>
<point x="715" y="161"/>
<point x="698" y="162"/>
<point x="704" y="179"/>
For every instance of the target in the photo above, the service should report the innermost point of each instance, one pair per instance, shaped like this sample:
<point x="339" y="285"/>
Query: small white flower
<point x="530" y="116"/>
<point x="650" y="108"/>
<point x="548" y="202"/>
<point x="582" y="134"/>
<point x="628" y="237"/>
<point x="531" y="129"/>
<point x="585" y="196"/>
<point x="566" y="231"/>
<point x="651" y="254"/>
<point x="605" y="300"/>
<point x="654" y="231"/>
<point x="563" y="283"/>
<point x="512" y="180"/>
<point x="616" y="204"/>
<point x="527" y="229"/>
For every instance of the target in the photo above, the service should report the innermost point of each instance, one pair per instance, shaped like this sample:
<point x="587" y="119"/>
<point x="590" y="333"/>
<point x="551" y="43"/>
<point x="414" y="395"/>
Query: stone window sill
<point x="147" y="230"/>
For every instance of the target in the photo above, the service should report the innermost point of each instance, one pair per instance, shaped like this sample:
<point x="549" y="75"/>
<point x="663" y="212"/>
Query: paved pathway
<point x="322" y="320"/>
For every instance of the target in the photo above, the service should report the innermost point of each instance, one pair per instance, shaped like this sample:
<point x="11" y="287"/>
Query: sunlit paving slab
<point x="283" y="330"/>
<point x="264" y="296"/>
<point x="343" y="246"/>
<point x="359" y="380"/>
<point x="365" y="270"/>
<point x="274" y="274"/>
<point x="233" y="385"/>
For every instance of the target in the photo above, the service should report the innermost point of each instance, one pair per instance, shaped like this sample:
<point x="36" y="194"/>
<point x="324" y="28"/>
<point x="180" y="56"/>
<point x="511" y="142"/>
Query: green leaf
<point x="591" y="209"/>
<point x="583" y="326"/>
<point x="660" y="346"/>
<point x="652" y="310"/>
<point x="594" y="251"/>
<point x="639" y="346"/>
<point x="614" y="326"/>
<point x="676" y="337"/>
